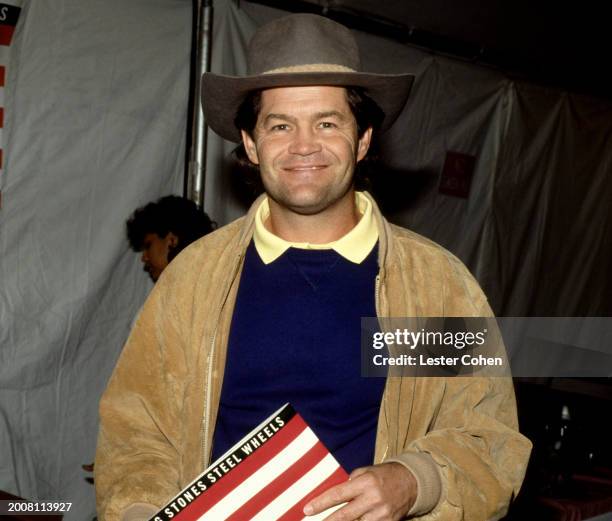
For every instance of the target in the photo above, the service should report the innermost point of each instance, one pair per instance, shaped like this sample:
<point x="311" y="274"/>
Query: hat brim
<point x="222" y="95"/>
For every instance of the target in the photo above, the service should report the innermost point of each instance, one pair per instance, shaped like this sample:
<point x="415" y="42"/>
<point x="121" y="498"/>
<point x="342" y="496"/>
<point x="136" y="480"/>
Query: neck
<point x="321" y="228"/>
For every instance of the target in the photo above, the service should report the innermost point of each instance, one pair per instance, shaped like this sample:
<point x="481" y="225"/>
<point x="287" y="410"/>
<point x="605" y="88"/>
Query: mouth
<point x="149" y="271"/>
<point x="304" y="168"/>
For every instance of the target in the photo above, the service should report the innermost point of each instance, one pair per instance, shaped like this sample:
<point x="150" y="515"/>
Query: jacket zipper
<point x="205" y="428"/>
<point x="378" y="314"/>
<point x="207" y="387"/>
<point x="377" y="295"/>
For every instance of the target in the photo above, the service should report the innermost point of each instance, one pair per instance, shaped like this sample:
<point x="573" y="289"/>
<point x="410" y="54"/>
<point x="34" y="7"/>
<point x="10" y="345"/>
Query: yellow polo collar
<point x="354" y="246"/>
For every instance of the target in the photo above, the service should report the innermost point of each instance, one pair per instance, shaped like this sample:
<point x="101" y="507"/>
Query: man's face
<point x="306" y="145"/>
<point x="155" y="253"/>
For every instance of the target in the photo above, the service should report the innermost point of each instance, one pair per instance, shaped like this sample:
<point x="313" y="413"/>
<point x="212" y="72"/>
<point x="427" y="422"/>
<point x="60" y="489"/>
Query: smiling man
<point x="267" y="310"/>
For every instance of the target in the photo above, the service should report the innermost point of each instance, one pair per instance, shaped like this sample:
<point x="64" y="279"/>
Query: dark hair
<point x="169" y="214"/>
<point x="365" y="110"/>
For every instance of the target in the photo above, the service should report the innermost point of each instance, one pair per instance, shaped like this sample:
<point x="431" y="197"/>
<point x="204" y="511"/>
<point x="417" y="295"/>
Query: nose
<point x="144" y="257"/>
<point x="305" y="142"/>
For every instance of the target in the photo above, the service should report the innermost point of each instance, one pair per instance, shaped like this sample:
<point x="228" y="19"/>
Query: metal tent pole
<point x="196" y="170"/>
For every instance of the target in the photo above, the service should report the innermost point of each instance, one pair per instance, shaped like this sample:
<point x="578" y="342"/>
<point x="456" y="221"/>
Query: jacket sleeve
<point x="475" y="445"/>
<point x="136" y="467"/>
<point x="462" y="430"/>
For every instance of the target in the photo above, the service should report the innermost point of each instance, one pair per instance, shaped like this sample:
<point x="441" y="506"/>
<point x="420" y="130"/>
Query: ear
<point x="364" y="144"/>
<point x="250" y="147"/>
<point x="172" y="240"/>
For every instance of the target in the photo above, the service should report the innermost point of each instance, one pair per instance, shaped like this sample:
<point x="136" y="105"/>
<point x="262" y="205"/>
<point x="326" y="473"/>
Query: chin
<point x="308" y="200"/>
<point x="306" y="206"/>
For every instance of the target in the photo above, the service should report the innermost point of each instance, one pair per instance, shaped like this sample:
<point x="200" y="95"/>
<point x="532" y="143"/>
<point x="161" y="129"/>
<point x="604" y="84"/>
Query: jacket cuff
<point x="429" y="484"/>
<point x="139" y="512"/>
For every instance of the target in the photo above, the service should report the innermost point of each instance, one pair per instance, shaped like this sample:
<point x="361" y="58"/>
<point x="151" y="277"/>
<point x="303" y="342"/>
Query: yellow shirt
<point x="354" y="246"/>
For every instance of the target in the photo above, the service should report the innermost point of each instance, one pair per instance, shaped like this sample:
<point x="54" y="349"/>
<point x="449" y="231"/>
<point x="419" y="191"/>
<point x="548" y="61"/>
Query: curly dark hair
<point x="365" y="110"/>
<point x="169" y="214"/>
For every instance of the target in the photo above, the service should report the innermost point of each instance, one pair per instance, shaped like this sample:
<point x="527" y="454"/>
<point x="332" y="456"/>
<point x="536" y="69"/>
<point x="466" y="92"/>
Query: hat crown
<point x="300" y="40"/>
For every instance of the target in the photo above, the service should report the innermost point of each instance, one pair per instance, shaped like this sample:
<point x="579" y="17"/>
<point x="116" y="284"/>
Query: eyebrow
<point x="282" y="117"/>
<point x="331" y="114"/>
<point x="318" y="115"/>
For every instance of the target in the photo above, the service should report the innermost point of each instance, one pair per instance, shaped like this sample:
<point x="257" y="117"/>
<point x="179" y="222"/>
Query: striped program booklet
<point x="269" y="475"/>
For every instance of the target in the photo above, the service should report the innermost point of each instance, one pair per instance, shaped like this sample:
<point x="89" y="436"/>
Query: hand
<point x="383" y="492"/>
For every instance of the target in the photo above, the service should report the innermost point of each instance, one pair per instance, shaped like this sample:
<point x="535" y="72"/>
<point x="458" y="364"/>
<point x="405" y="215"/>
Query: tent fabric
<point x="534" y="228"/>
<point x="96" y="118"/>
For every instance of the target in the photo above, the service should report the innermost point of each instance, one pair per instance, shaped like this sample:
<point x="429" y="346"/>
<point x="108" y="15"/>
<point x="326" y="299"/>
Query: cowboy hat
<point x="299" y="50"/>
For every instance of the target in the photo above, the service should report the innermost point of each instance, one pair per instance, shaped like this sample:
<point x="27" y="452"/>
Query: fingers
<point x="331" y="497"/>
<point x="378" y="493"/>
<point x="361" y="509"/>
<point x="352" y="511"/>
<point x="357" y="493"/>
<point x="369" y="504"/>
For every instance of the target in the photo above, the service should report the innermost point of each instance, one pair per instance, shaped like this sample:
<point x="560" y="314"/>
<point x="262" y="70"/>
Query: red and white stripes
<point x="9" y="14"/>
<point x="269" y="475"/>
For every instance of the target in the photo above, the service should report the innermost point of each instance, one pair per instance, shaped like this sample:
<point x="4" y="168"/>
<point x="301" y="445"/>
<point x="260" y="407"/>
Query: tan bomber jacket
<point x="159" y="410"/>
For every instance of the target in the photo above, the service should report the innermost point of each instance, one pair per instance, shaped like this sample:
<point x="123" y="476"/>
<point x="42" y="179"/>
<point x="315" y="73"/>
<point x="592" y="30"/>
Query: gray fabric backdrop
<point x="96" y="118"/>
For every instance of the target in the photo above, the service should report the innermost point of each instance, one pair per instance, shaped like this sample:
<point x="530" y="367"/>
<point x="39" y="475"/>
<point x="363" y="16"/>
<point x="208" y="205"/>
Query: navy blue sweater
<point x="295" y="337"/>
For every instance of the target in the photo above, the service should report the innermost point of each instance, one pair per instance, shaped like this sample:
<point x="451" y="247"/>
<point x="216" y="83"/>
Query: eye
<point x="279" y="127"/>
<point x="327" y="124"/>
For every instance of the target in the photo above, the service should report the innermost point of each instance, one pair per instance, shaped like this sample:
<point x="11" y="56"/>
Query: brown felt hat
<point x="298" y="50"/>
